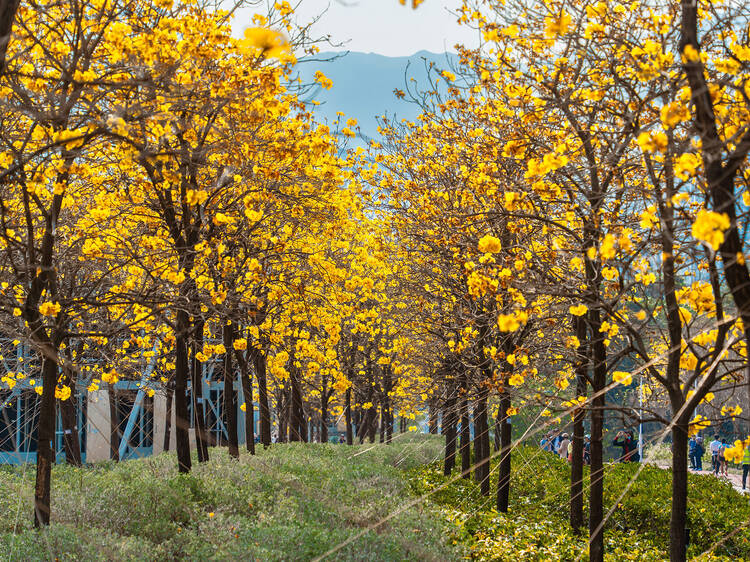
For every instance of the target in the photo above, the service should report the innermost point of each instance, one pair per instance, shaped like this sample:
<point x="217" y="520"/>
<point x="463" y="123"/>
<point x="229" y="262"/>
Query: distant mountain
<point x="364" y="84"/>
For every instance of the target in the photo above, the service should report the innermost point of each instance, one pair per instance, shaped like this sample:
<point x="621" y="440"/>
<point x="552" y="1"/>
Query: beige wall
<point x="97" y="426"/>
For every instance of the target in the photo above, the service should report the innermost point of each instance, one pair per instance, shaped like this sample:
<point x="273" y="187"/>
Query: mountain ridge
<point x="364" y="84"/>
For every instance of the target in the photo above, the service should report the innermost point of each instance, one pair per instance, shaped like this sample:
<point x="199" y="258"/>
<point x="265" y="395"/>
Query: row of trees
<point x="566" y="215"/>
<point x="570" y="207"/>
<point x="165" y="197"/>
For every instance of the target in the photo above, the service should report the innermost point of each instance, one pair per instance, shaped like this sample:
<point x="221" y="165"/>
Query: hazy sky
<point x="385" y="26"/>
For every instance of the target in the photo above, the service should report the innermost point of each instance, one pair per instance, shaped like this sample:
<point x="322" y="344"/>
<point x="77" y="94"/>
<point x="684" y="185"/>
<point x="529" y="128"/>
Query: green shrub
<point x="536" y="526"/>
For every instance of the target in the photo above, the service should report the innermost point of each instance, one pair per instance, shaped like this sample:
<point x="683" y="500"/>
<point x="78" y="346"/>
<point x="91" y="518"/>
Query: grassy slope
<point x="536" y="526"/>
<point x="292" y="502"/>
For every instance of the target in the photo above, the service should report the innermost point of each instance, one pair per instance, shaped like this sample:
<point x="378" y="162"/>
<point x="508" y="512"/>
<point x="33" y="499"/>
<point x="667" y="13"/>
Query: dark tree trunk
<point x="387" y="405"/>
<point x="264" y="411"/>
<point x="363" y="429"/>
<point x="449" y="428"/>
<point x="168" y="417"/>
<point x="69" y="420"/>
<point x="503" y="482"/>
<point x="298" y="428"/>
<point x="283" y="404"/>
<point x="71" y="441"/>
<point x="45" y="455"/>
<point x="383" y="415"/>
<point x="348" y="415"/>
<point x="199" y="412"/>
<point x="721" y="164"/>
<point x="433" y="413"/>
<point x="247" y="395"/>
<point x="496" y="440"/>
<point x="373" y="426"/>
<point x="182" y="372"/>
<point x="576" y="471"/>
<point x="8" y="9"/>
<point x="324" y="413"/>
<point x="465" y="431"/>
<point x="678" y="520"/>
<point x="295" y="404"/>
<point x="230" y="396"/>
<point x="480" y="437"/>
<point x="389" y="425"/>
<point x="114" y="429"/>
<point x="596" y="488"/>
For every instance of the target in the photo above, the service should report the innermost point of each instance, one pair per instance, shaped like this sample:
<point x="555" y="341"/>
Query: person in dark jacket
<point x="587" y="449"/>
<point x="699" y="452"/>
<point x="691" y="453"/>
<point x="624" y="440"/>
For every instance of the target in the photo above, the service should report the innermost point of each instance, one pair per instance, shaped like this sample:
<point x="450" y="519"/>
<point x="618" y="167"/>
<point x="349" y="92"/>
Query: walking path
<point x="732" y="478"/>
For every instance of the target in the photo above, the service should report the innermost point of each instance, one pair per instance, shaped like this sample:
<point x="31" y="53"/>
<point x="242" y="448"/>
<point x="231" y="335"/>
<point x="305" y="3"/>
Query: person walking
<point x="722" y="458"/>
<point x="587" y="449"/>
<point x="714" y="447"/>
<point x="745" y="465"/>
<point x="691" y="453"/>
<point x="699" y="452"/>
<point x="556" y="438"/>
<point x="562" y="447"/>
<point x="543" y="443"/>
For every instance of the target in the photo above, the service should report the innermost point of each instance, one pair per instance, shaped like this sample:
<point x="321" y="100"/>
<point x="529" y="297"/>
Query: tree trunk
<point x="388" y="406"/>
<point x="324" y="415"/>
<point x="299" y="420"/>
<point x="496" y="440"/>
<point x="449" y="426"/>
<point x="282" y="409"/>
<point x="348" y="415"/>
<point x="295" y="407"/>
<point x="8" y="9"/>
<point x="678" y="519"/>
<point x="199" y="411"/>
<point x="373" y="426"/>
<point x="230" y="396"/>
<point x="182" y="439"/>
<point x="596" y="488"/>
<point x="576" y="470"/>
<point x="433" y="417"/>
<point x="114" y="429"/>
<point x="465" y="432"/>
<point x="71" y="441"/>
<point x="45" y="455"/>
<point x="168" y="417"/>
<point x="69" y="420"/>
<point x="480" y="436"/>
<point x="506" y="436"/>
<point x="247" y="395"/>
<point x="383" y="415"/>
<point x="264" y="411"/>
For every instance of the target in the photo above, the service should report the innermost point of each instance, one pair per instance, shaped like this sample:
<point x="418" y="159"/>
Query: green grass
<point x="291" y="502"/>
<point x="536" y="527"/>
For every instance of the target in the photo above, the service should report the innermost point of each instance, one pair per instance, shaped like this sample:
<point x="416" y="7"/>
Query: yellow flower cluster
<point x="709" y="227"/>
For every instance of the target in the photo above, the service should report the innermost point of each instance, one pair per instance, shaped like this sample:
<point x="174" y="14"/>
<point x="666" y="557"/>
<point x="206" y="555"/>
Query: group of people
<point x="719" y="462"/>
<point x="561" y="444"/>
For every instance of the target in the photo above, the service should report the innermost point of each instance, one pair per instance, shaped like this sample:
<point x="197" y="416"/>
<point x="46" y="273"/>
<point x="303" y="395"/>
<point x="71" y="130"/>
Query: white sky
<point x="385" y="26"/>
